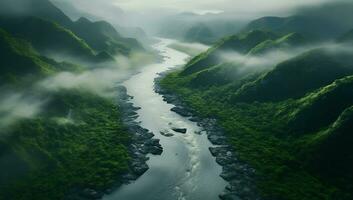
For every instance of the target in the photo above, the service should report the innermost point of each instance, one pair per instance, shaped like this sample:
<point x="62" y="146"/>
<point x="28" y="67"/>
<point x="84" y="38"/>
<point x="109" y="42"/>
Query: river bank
<point x="185" y="169"/>
<point x="239" y="175"/>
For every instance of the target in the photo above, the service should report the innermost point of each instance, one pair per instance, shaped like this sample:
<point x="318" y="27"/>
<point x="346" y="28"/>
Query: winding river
<point x="186" y="170"/>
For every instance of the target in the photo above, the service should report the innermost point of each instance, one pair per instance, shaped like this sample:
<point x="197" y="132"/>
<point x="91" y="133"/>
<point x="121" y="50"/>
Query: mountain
<point x="39" y="8"/>
<point x="312" y="27"/>
<point x="331" y="157"/>
<point x="54" y="155"/>
<point x="50" y="154"/>
<point x="199" y="33"/>
<point x="103" y="37"/>
<point x="22" y="64"/>
<point x="290" y="122"/>
<point x="214" y="68"/>
<point x="20" y="60"/>
<point x="286" y="42"/>
<point x="298" y="76"/>
<point x="321" y="108"/>
<point x="318" y="23"/>
<point x="44" y="36"/>
<point x="82" y="28"/>
<point x="187" y="26"/>
<point x="238" y="43"/>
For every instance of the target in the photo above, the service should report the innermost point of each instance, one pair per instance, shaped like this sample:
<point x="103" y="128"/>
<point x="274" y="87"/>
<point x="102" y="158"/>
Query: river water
<point x="186" y="170"/>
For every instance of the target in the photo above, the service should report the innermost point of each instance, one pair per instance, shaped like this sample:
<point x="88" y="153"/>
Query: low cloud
<point x="191" y="49"/>
<point x="261" y="62"/>
<point x="17" y="106"/>
<point x="269" y="60"/>
<point x="98" y="81"/>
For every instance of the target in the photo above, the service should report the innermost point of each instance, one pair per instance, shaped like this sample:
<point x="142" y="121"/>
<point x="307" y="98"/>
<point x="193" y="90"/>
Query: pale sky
<point x="139" y="12"/>
<point x="242" y="6"/>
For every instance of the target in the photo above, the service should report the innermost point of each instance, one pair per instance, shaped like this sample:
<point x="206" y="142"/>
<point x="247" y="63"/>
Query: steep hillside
<point x="44" y="36"/>
<point x="199" y="33"/>
<point x="241" y="44"/>
<point x="20" y="60"/>
<point x="103" y="37"/>
<point x="107" y="37"/>
<point x="296" y="77"/>
<point x="331" y="155"/>
<point x="292" y="124"/>
<point x="285" y="42"/>
<point x="40" y="8"/>
<point x="56" y="155"/>
<point x="74" y="136"/>
<point x="322" y="108"/>
<point x="313" y="27"/>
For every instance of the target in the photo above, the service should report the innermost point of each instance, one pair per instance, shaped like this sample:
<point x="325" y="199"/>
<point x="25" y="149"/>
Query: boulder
<point x="180" y="130"/>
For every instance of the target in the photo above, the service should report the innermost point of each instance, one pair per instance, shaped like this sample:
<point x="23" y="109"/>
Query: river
<point x="186" y="170"/>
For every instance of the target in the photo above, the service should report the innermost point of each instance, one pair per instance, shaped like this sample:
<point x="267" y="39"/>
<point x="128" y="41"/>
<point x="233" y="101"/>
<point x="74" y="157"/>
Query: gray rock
<point x="229" y="196"/>
<point x="180" y="130"/>
<point x="166" y="133"/>
<point x="181" y="111"/>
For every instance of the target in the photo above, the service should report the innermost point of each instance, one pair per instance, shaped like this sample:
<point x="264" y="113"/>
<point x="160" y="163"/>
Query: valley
<point x="163" y="100"/>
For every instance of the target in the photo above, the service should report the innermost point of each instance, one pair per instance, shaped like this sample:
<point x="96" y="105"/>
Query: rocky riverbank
<point x="142" y="144"/>
<point x="239" y="175"/>
<point x="142" y="140"/>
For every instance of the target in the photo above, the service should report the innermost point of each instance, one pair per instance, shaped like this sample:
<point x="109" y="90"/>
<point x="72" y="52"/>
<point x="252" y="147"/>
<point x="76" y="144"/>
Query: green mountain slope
<point x="238" y="43"/>
<point x="295" y="77"/>
<point x="100" y="35"/>
<point x="331" y="155"/>
<point x="39" y="8"/>
<point x="103" y="37"/>
<point x="313" y="27"/>
<point x="21" y="64"/>
<point x="285" y="42"/>
<point x="292" y="124"/>
<point x="322" y="108"/>
<point x="44" y="36"/>
<point x="55" y="156"/>
<point x="20" y="60"/>
<point x="212" y="68"/>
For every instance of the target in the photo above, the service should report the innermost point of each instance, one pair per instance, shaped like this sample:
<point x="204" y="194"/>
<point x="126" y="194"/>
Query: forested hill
<point x="60" y="138"/>
<point x="284" y="101"/>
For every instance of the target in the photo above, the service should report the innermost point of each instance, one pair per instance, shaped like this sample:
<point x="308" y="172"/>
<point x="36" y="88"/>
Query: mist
<point x="192" y="49"/>
<point x="259" y="63"/>
<point x="97" y="81"/>
<point x="15" y="106"/>
<point x="149" y="12"/>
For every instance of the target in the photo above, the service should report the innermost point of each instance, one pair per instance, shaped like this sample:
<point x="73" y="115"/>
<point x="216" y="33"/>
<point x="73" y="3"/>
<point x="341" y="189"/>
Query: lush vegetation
<point x="44" y="36"/>
<point x="20" y="58"/>
<point x="80" y="38"/>
<point x="290" y="123"/>
<point x="290" y="40"/>
<point x="77" y="142"/>
<point x="103" y="37"/>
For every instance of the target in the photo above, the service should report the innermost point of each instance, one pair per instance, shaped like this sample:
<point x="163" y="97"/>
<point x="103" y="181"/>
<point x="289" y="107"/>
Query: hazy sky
<point x="236" y="6"/>
<point x="146" y="12"/>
